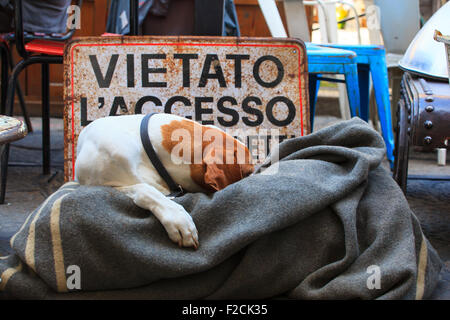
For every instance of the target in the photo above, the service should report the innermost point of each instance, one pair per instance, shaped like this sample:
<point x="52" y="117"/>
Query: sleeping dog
<point x="196" y="158"/>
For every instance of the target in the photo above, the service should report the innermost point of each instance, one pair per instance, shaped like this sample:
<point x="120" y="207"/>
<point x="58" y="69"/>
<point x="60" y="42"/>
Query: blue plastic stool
<point x="324" y="60"/>
<point x="371" y="59"/>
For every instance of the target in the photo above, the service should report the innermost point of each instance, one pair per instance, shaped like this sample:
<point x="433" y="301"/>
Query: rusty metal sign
<point x="253" y="88"/>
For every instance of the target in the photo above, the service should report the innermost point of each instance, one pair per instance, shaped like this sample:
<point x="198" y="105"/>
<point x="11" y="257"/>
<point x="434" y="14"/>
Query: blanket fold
<point x="320" y="219"/>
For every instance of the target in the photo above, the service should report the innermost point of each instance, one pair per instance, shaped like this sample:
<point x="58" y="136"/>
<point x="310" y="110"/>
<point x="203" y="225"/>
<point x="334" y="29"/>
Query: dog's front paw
<point x="180" y="227"/>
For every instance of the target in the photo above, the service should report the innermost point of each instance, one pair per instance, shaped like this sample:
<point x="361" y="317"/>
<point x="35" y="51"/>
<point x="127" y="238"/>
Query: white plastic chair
<point x="397" y="34"/>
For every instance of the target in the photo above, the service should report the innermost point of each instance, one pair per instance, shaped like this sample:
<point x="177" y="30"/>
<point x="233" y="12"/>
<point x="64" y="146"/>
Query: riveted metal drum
<point x="423" y="120"/>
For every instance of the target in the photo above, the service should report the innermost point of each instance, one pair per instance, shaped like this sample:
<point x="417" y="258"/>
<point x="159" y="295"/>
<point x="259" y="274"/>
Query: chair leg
<point x="364" y="90"/>
<point x="400" y="168"/>
<point x="343" y="101"/>
<point x="314" y="85"/>
<point x="9" y="106"/>
<point x="4" y="79"/>
<point x="24" y="108"/>
<point x="395" y="74"/>
<point x="351" y="80"/>
<point x="10" y="61"/>
<point x="381" y="90"/>
<point x="4" y="172"/>
<point x="4" y="152"/>
<point x="45" y="119"/>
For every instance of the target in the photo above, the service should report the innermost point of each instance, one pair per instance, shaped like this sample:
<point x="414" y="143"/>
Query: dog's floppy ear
<point x="217" y="175"/>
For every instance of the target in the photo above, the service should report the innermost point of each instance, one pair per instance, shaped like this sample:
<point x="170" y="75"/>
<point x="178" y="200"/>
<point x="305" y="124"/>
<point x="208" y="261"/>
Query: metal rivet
<point x="427" y="139"/>
<point x="429" y="108"/>
<point x="429" y="99"/>
<point x="428" y="124"/>
<point x="408" y="131"/>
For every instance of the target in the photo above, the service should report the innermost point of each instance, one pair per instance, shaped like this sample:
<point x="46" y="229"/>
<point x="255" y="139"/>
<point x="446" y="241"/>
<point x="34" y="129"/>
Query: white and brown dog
<point x="110" y="153"/>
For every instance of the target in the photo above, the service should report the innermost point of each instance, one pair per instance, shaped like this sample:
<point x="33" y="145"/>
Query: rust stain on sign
<point x="250" y="87"/>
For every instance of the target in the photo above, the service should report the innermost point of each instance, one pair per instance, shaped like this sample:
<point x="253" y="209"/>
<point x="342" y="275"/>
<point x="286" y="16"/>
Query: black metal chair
<point x="34" y="49"/>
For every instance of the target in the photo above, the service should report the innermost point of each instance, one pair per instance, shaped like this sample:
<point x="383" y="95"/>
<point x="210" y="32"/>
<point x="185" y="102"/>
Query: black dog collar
<point x="176" y="189"/>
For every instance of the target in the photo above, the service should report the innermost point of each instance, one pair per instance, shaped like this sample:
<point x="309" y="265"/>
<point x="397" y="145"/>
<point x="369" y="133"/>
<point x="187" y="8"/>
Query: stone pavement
<point x="27" y="188"/>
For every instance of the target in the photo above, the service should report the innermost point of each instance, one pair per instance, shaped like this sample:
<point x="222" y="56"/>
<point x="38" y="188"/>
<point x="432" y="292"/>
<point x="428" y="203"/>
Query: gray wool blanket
<point x="325" y="222"/>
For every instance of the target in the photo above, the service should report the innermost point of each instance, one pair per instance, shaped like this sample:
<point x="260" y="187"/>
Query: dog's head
<point x="226" y="165"/>
<point x="216" y="159"/>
